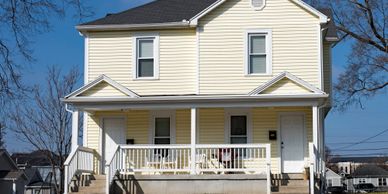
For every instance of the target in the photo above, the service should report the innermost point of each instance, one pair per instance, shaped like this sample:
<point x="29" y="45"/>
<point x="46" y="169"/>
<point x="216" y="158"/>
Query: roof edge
<point x="118" y="27"/>
<point x="281" y="76"/>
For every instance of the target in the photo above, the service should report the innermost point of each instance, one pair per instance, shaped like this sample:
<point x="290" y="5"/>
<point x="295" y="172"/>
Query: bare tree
<point x="44" y="123"/>
<point x="20" y="20"/>
<point x="2" y="133"/>
<point x="364" y="23"/>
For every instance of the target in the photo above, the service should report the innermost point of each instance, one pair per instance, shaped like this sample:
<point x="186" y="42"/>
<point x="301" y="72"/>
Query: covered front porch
<point x="258" y="134"/>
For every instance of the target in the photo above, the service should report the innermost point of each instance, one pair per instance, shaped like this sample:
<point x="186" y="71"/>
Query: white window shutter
<point x="258" y="3"/>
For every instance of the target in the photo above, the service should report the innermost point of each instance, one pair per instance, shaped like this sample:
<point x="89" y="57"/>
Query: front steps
<point x="94" y="185"/>
<point x="289" y="184"/>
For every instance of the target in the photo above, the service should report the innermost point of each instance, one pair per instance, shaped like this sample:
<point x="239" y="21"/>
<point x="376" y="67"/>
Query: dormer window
<point x="258" y="4"/>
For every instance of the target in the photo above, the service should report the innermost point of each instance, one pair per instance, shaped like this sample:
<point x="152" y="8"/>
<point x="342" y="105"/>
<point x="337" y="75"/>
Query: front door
<point x="114" y="130"/>
<point x="292" y="143"/>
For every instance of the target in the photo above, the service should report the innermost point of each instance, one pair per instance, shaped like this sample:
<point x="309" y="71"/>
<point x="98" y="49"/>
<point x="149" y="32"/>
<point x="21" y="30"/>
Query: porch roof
<point x="200" y="101"/>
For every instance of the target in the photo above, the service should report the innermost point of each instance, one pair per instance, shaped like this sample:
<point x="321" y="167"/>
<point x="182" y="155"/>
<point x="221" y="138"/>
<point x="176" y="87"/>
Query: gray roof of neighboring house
<point x="360" y="159"/>
<point x="370" y="171"/>
<point x="160" y="11"/>
<point x="35" y="158"/>
<point x="9" y="175"/>
<point x="170" y="11"/>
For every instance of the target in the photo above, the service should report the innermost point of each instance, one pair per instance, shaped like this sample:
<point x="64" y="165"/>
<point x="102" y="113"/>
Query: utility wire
<point x="368" y="149"/>
<point x="347" y="143"/>
<point x="373" y="154"/>
<point x="362" y="141"/>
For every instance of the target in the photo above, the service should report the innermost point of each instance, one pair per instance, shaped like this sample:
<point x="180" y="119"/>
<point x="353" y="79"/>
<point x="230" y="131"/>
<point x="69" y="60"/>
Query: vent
<point x="258" y="4"/>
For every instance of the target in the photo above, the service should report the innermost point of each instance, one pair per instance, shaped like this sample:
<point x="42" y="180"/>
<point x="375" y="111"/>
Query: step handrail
<point x="80" y="160"/>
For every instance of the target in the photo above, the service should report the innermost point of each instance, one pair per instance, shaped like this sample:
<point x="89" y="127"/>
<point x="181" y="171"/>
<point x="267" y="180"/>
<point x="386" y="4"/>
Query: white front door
<point x="114" y="130"/>
<point x="292" y="143"/>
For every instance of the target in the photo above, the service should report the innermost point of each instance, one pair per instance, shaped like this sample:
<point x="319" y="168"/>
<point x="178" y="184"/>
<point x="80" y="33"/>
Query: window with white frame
<point x="162" y="133"/>
<point x="259" y="52"/>
<point x="238" y="130"/>
<point x="382" y="182"/>
<point x="146" y="49"/>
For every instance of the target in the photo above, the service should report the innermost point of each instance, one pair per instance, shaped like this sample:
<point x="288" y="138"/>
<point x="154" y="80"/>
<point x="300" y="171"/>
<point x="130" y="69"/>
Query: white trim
<point x="238" y="112"/>
<point x="280" y="151"/>
<point x="86" y="59"/>
<point x="320" y="58"/>
<point x="100" y="79"/>
<point x="164" y="114"/>
<point x="85" y="130"/>
<point x="193" y="134"/>
<point x="322" y="17"/>
<point x="260" y="7"/>
<point x="291" y="77"/>
<point x="198" y="34"/>
<point x="74" y="130"/>
<point x="268" y="41"/>
<point x="156" y="39"/>
<point x="167" y="25"/>
<point x="195" y="19"/>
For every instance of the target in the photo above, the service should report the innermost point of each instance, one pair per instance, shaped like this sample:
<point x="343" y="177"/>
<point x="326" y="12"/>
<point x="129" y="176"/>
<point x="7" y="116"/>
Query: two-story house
<point x="190" y="94"/>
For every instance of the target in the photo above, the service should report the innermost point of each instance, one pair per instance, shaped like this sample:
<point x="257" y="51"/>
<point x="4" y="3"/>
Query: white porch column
<point x="13" y="186"/>
<point x="193" y="140"/>
<point x="315" y="126"/>
<point x="74" y="130"/>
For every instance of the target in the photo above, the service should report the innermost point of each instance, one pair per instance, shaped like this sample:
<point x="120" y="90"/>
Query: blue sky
<point x="63" y="46"/>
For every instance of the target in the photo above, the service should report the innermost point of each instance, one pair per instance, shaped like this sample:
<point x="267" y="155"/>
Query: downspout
<point x="74" y="128"/>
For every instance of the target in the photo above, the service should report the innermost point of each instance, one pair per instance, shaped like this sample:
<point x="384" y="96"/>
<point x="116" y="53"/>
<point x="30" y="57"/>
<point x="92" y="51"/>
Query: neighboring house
<point x="333" y="179"/>
<point x="238" y="88"/>
<point x="12" y="180"/>
<point x="370" y="174"/>
<point x="349" y="164"/>
<point x="38" y="160"/>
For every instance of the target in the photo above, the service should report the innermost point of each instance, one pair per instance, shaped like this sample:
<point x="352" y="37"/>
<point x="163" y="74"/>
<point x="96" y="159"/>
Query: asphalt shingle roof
<point x="370" y="171"/>
<point x="160" y="11"/>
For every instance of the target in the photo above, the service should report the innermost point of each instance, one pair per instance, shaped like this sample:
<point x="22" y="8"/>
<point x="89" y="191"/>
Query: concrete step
<point x="97" y="186"/>
<point x="297" y="183"/>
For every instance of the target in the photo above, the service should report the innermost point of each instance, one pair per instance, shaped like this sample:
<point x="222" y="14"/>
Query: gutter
<point x="174" y="25"/>
<point x="193" y="98"/>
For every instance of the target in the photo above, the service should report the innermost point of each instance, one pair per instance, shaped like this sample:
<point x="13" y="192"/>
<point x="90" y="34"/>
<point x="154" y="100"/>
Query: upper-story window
<point x="146" y="56"/>
<point x="259" y="52"/>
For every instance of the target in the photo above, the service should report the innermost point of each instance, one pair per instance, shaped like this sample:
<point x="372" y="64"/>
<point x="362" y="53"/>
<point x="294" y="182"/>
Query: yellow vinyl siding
<point x="286" y="86"/>
<point x="183" y="126"/>
<point x="222" y="40"/>
<point x="103" y="89"/>
<point x="110" y="53"/>
<point x="211" y="127"/>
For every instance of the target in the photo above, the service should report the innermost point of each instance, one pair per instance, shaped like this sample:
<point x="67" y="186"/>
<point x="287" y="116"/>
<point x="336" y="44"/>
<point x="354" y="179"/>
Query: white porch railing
<point x="174" y="159"/>
<point x="112" y="167"/>
<point x="81" y="160"/>
<point x="251" y="158"/>
<point x="155" y="158"/>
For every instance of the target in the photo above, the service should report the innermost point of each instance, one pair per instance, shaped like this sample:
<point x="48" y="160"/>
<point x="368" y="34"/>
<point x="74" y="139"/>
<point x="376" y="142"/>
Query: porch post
<point x="193" y="140"/>
<point x="74" y="130"/>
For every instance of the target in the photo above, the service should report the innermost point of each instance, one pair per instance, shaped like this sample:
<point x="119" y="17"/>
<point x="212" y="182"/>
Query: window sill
<point x="259" y="75"/>
<point x="146" y="79"/>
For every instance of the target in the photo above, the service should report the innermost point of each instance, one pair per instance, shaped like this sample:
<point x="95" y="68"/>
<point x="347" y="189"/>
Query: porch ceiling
<point x="198" y="101"/>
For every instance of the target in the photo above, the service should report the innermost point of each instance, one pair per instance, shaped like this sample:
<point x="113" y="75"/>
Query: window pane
<point x="257" y="44"/>
<point x="257" y="64"/>
<point x="238" y="125"/>
<point x="146" y="68"/>
<point x="238" y="140"/>
<point x="146" y="48"/>
<point x="163" y="141"/>
<point x="162" y="127"/>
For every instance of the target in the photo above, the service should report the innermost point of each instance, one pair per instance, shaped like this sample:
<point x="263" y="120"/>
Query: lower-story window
<point x="382" y="182"/>
<point x="162" y="131"/>
<point x="238" y="130"/>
